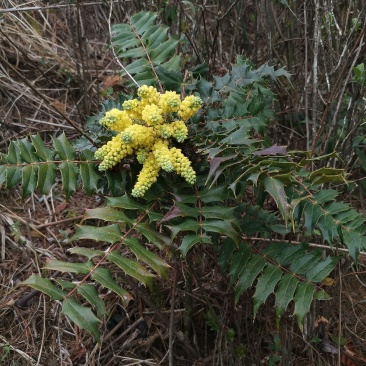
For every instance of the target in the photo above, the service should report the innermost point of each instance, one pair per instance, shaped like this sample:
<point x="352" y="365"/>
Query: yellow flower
<point x="189" y="107"/>
<point x="148" y="175"/>
<point x="182" y="165"/>
<point x="152" y="115"/>
<point x="148" y="95"/>
<point x="169" y="102"/>
<point x="138" y="136"/>
<point x="145" y="128"/>
<point x="163" y="155"/>
<point x="180" y="130"/>
<point x="141" y="155"/>
<point x="133" y="108"/>
<point x="116" y="120"/>
<point x="165" y="130"/>
<point x="112" y="153"/>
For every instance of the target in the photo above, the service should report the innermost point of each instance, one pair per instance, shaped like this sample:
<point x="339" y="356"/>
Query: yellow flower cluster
<point x="145" y="128"/>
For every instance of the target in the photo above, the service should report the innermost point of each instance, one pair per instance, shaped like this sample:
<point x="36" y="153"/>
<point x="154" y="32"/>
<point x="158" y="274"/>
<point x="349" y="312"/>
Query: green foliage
<point x="251" y="196"/>
<point x="145" y="45"/>
<point x="91" y="269"/>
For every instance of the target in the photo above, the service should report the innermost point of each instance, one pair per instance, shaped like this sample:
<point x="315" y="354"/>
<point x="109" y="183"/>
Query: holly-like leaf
<point x="107" y="214"/>
<point x="131" y="268"/>
<point x="190" y="240"/>
<point x="88" y="173"/>
<point x="86" y="252"/>
<point x="46" y="177"/>
<point x="104" y="277"/>
<point x="63" y="147"/>
<point x="91" y="295"/>
<point x="46" y="286"/>
<point x="285" y="294"/>
<point x="82" y="316"/>
<point x="303" y="298"/>
<point x="110" y="233"/>
<point x="56" y="265"/>
<point x="273" y="150"/>
<point x="69" y="174"/>
<point x="321" y="269"/>
<point x="266" y="285"/>
<point x="277" y="190"/>
<point x="146" y="256"/>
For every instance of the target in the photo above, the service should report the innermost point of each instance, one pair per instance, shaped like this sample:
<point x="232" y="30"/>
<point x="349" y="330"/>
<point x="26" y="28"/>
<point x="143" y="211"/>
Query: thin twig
<point x="114" y="52"/>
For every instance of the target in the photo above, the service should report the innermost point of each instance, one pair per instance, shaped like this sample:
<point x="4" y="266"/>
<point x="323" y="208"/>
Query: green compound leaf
<point x="46" y="286"/>
<point x="63" y="147"/>
<point x="103" y="276"/>
<point x="91" y="296"/>
<point x="192" y="239"/>
<point x="41" y="150"/>
<point x="86" y="252"/>
<point x="56" y="265"/>
<point x="303" y="298"/>
<point x="65" y="285"/>
<point x="82" y="316"/>
<point x="107" y="214"/>
<point x="69" y="174"/>
<point x="266" y="285"/>
<point x="88" y="173"/>
<point x="249" y="274"/>
<point x="29" y="179"/>
<point x="285" y="294"/>
<point x="27" y="151"/>
<point x="13" y="176"/>
<point x="277" y="190"/>
<point x="239" y="261"/>
<point x="131" y="268"/>
<point x="146" y="256"/>
<point x="126" y="202"/>
<point x="3" y="170"/>
<point x="321" y="269"/>
<point x="111" y="233"/>
<point x="149" y="44"/>
<point x="46" y="177"/>
<point x="153" y="236"/>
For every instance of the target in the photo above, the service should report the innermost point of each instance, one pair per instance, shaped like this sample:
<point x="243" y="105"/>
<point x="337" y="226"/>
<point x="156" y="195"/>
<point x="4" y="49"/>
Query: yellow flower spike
<point x="152" y="115"/>
<point x="141" y="155"/>
<point x="182" y="165"/>
<point x="163" y="155"/>
<point x="169" y="102"/>
<point x="148" y="175"/>
<point x="165" y="130"/>
<point x="146" y="127"/>
<point x="138" y="136"/>
<point x="133" y="108"/>
<point x="116" y="120"/>
<point x="148" y="95"/>
<point x="189" y="107"/>
<point x="180" y="130"/>
<point x="112" y="153"/>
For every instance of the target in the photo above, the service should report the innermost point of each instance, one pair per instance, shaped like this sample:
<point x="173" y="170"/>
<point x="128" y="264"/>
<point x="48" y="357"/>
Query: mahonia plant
<point x="146" y="127"/>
